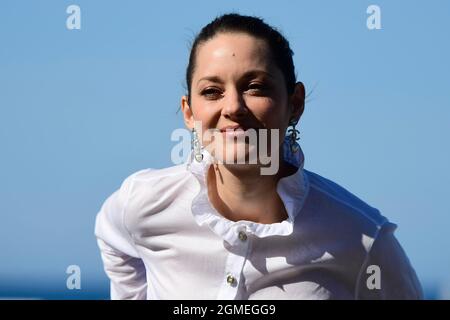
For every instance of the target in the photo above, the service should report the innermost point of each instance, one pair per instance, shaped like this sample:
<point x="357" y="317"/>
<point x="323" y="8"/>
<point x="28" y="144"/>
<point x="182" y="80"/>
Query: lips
<point x="235" y="128"/>
<point x="232" y="128"/>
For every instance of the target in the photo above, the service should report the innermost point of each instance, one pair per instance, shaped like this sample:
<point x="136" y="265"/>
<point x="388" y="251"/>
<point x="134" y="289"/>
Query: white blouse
<point x="161" y="238"/>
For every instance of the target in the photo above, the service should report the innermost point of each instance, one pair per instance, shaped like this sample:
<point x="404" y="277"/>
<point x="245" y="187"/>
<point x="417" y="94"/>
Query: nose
<point x="234" y="106"/>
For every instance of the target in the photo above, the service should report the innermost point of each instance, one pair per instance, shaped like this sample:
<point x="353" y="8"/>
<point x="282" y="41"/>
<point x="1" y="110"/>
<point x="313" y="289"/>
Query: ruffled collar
<point x="292" y="189"/>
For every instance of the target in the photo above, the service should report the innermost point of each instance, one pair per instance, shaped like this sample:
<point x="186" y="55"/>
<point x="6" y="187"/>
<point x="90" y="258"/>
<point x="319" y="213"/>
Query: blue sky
<point x="82" y="109"/>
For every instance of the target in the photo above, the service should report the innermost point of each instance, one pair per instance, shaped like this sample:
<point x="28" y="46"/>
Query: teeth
<point x="235" y="129"/>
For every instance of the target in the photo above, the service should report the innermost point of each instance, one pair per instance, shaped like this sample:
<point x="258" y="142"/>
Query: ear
<point x="297" y="101"/>
<point x="187" y="112"/>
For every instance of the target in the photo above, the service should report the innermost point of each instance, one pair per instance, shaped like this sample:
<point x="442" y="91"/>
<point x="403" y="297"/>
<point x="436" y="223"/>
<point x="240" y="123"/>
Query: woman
<point x="215" y="229"/>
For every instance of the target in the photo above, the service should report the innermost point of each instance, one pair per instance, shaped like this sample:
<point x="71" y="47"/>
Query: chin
<point x="238" y="154"/>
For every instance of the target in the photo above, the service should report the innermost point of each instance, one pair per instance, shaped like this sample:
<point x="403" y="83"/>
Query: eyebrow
<point x="246" y="75"/>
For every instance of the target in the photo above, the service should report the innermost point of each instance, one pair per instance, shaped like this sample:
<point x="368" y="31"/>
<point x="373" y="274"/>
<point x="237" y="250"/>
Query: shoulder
<point x="150" y="184"/>
<point x="151" y="191"/>
<point x="342" y="206"/>
<point x="358" y="234"/>
<point x="150" y="174"/>
<point x="140" y="195"/>
<point x="151" y="181"/>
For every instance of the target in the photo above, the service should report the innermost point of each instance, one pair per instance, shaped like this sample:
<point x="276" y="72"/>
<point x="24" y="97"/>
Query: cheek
<point x="269" y="112"/>
<point x="204" y="113"/>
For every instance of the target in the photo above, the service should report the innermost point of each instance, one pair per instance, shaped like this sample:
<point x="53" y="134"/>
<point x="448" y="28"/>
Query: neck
<point x="240" y="192"/>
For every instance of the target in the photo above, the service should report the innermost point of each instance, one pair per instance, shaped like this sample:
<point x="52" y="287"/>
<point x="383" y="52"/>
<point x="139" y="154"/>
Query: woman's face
<point x="235" y="82"/>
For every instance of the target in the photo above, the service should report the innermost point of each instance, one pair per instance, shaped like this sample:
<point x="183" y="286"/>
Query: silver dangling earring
<point x="196" y="146"/>
<point x="293" y="136"/>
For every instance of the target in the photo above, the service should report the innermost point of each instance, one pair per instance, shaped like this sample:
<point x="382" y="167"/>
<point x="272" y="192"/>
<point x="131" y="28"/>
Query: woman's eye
<point x="258" y="88"/>
<point x="211" y="93"/>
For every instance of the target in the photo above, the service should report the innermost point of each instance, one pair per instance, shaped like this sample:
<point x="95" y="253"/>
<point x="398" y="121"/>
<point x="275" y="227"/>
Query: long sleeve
<point x="121" y="261"/>
<point x="397" y="278"/>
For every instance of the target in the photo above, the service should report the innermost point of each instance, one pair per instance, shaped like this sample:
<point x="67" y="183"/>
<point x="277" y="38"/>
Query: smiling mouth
<point x="237" y="129"/>
<point x="234" y="129"/>
<point x="234" y="132"/>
